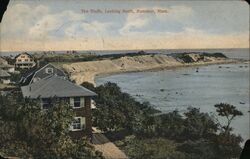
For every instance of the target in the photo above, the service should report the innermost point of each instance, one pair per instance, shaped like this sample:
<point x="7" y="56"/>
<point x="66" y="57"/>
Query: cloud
<point x="57" y="28"/>
<point x="42" y="24"/>
<point x="175" y="14"/>
<point x="134" y="21"/>
<point x="53" y="23"/>
<point x="96" y="26"/>
<point x="18" y="19"/>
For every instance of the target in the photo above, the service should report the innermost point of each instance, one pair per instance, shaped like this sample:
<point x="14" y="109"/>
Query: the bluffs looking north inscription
<point x="124" y="11"/>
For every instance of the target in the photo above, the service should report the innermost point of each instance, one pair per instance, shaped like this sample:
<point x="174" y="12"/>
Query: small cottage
<point x="5" y="66"/>
<point x="24" y="61"/>
<point x="4" y="77"/>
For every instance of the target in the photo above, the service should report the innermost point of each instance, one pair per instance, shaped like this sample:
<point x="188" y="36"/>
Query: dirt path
<point x="108" y="149"/>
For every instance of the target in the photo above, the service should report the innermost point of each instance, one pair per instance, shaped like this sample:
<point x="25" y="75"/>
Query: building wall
<point x="8" y="69"/>
<point x="11" y="69"/>
<point x="84" y="112"/>
<point x="24" y="61"/>
<point x="23" y="58"/>
<point x="5" y="81"/>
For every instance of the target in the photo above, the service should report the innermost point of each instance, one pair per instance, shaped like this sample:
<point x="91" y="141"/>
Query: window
<point x="49" y="70"/>
<point x="45" y="103"/>
<point x="26" y="60"/>
<point x="77" y="102"/>
<point x="78" y="124"/>
<point x="19" y="60"/>
<point x="22" y="56"/>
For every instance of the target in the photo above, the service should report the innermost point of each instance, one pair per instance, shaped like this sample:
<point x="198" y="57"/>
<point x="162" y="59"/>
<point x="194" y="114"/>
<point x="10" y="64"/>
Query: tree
<point x="227" y="143"/>
<point x="195" y="134"/>
<point x="27" y="131"/>
<point x="116" y="110"/>
<point x="198" y="125"/>
<point x="151" y="148"/>
<point x="229" y="112"/>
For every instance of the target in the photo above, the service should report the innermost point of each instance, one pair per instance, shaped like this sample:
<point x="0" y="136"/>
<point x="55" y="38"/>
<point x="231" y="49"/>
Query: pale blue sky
<point x="61" y="25"/>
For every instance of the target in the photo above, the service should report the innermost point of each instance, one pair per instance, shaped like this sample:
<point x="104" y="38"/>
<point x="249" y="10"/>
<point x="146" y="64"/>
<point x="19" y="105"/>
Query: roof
<point x="54" y="86"/>
<point x="32" y="70"/>
<point x="22" y="54"/>
<point x="28" y="75"/>
<point x="6" y="66"/>
<point x="3" y="61"/>
<point x="3" y="73"/>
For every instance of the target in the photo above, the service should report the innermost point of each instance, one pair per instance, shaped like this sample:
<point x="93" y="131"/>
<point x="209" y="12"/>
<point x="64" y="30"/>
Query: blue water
<point x="178" y="89"/>
<point x="168" y="90"/>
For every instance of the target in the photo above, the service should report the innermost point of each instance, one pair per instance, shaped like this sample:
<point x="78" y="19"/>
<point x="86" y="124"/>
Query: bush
<point x="26" y="131"/>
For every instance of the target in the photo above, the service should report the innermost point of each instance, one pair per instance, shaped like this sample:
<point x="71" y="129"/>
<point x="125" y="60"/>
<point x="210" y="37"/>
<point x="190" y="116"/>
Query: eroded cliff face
<point x="86" y="71"/>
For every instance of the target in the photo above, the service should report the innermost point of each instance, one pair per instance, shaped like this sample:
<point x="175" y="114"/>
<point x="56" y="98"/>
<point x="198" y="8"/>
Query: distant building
<point x="5" y="66"/>
<point x="37" y="73"/>
<point x="78" y="97"/>
<point x="24" y="61"/>
<point x="4" y="77"/>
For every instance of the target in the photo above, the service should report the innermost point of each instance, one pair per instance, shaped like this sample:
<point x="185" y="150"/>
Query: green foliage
<point x="198" y="149"/>
<point x="228" y="145"/>
<point x="169" y="125"/>
<point x="198" y="125"/>
<point x="48" y="58"/>
<point x="193" y="126"/>
<point x="193" y="134"/>
<point x="150" y="148"/>
<point x="187" y="59"/>
<point x="112" y="104"/>
<point x="229" y="112"/>
<point x="27" y="131"/>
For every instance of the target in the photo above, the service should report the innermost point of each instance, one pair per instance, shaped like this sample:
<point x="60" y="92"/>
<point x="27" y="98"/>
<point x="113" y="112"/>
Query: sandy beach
<point x="87" y="71"/>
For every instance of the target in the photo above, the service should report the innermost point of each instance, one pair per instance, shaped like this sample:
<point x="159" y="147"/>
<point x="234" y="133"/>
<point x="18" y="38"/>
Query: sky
<point x="36" y="25"/>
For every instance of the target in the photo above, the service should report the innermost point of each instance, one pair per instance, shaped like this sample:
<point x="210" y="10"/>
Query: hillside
<point x="86" y="71"/>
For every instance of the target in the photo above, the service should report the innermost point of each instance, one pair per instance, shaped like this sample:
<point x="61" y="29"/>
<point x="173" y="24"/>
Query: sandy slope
<point x="86" y="71"/>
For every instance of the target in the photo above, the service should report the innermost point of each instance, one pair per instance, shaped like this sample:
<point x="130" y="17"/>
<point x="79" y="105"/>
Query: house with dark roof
<point x="37" y="73"/>
<point x="24" y="61"/>
<point x="78" y="97"/>
<point x="4" y="77"/>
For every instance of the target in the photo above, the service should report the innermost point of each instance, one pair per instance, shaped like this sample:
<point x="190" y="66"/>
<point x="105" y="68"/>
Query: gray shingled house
<point x="36" y="74"/>
<point x="78" y="97"/>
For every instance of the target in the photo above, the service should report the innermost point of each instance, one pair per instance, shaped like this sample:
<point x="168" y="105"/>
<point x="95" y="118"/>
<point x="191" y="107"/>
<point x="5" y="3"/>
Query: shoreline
<point x="172" y="67"/>
<point x="80" y="72"/>
<point x="183" y="66"/>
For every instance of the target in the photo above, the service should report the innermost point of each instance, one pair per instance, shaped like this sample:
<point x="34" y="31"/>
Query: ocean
<point x="168" y="90"/>
<point x="178" y="89"/>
